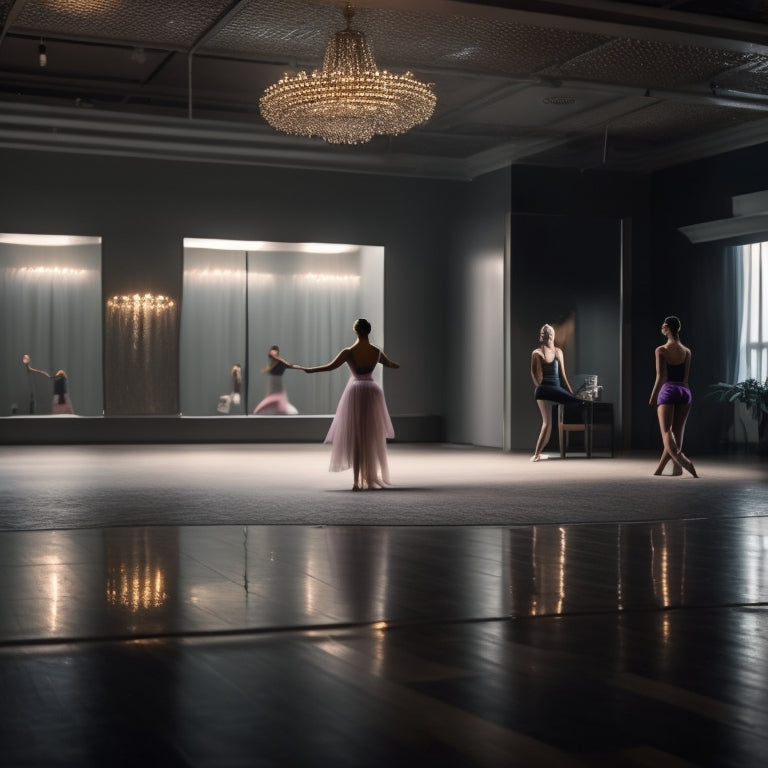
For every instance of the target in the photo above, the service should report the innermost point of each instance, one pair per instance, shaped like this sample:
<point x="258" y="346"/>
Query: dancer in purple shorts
<point x="672" y="397"/>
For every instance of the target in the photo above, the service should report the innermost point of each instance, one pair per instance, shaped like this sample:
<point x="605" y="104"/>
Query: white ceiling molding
<point x="752" y="204"/>
<point x="750" y="217"/>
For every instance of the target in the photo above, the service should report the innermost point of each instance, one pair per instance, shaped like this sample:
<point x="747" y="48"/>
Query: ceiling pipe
<point x="224" y="18"/>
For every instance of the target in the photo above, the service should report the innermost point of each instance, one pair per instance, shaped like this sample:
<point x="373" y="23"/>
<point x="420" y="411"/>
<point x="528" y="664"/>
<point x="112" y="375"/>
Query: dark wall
<point x="595" y="196"/>
<point x="692" y="280"/>
<point x="565" y="271"/>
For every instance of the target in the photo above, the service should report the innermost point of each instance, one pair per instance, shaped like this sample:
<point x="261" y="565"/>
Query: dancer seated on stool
<point x="551" y="382"/>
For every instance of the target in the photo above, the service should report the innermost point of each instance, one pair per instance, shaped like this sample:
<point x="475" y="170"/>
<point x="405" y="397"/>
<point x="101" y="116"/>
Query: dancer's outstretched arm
<point x="337" y="361"/>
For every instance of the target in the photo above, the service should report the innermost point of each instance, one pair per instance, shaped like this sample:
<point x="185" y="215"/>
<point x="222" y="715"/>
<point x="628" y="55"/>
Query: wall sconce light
<point x="43" y="53"/>
<point x="140" y="301"/>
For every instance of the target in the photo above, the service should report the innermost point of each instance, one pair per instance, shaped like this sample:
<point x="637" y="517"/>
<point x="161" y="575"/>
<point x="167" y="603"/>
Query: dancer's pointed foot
<point x="687" y="464"/>
<point x="536" y="457"/>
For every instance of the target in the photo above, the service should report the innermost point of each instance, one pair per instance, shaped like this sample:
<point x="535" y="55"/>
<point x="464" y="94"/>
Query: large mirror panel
<point x="50" y="311"/>
<point x="242" y="298"/>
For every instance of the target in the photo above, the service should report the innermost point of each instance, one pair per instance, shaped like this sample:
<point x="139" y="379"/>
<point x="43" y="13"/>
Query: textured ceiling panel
<point x="170" y="22"/>
<point x="287" y="30"/>
<point x="606" y="114"/>
<point x="296" y="31"/>
<point x="652" y="64"/>
<point x="509" y="89"/>
<point x="5" y="9"/>
<point x="751" y="80"/>
<point x="477" y="44"/>
<point x="670" y="121"/>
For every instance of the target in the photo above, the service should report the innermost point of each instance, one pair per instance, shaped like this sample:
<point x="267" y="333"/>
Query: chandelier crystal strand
<point x="348" y="101"/>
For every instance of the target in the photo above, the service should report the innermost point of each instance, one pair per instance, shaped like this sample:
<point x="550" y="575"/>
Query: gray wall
<point x="444" y="244"/>
<point x="475" y="364"/>
<point x="565" y="271"/>
<point x="143" y="209"/>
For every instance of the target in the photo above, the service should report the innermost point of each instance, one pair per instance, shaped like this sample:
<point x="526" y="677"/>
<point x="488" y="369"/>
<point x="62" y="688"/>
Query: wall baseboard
<point x="43" y="430"/>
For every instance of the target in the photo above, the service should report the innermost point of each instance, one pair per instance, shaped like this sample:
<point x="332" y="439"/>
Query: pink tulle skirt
<point x="360" y="428"/>
<point x="275" y="404"/>
<point x="65" y="407"/>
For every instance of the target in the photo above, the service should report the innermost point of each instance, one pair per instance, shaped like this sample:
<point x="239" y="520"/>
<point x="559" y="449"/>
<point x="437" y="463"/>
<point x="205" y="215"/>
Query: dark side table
<point x="587" y="416"/>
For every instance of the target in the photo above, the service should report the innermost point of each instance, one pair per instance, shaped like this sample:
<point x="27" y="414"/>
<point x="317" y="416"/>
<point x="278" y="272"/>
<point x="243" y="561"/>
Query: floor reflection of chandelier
<point x="348" y="101"/>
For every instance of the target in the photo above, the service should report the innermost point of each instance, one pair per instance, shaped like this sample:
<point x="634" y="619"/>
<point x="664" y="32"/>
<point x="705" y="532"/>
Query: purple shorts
<point x="672" y="393"/>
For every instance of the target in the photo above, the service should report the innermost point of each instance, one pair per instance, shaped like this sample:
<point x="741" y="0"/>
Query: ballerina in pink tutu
<point x="361" y="426"/>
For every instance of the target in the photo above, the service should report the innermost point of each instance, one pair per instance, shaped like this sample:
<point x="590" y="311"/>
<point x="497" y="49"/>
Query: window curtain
<point x="732" y="287"/>
<point x="50" y="309"/>
<point x="753" y="341"/>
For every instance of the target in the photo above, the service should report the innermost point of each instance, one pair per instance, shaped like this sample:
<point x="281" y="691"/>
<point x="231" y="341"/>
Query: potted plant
<point x="754" y="395"/>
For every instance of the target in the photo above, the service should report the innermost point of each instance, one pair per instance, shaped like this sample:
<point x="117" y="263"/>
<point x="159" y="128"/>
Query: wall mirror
<point x="50" y="310"/>
<point x="240" y="298"/>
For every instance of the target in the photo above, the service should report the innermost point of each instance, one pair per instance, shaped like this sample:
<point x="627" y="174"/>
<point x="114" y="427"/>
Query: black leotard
<point x="551" y="387"/>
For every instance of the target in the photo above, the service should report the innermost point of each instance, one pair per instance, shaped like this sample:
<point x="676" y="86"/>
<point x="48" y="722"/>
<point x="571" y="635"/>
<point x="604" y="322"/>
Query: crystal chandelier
<point x="348" y="101"/>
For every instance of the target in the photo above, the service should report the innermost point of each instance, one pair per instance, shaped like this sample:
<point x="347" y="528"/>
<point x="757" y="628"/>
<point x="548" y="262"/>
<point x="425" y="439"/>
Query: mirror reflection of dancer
<point x="361" y="426"/>
<point x="672" y="397"/>
<point x="61" y="400"/>
<point x="551" y="382"/>
<point x="276" y="402"/>
<point x="233" y="398"/>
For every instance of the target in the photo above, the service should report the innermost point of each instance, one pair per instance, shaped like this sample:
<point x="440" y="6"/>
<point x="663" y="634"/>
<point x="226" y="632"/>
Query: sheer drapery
<point x="731" y="282"/>
<point x="309" y="315"/>
<point x="213" y="328"/>
<point x="50" y="308"/>
<point x="753" y="362"/>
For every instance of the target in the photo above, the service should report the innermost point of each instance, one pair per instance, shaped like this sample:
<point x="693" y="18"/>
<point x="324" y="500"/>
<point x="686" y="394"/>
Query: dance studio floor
<point x="238" y="605"/>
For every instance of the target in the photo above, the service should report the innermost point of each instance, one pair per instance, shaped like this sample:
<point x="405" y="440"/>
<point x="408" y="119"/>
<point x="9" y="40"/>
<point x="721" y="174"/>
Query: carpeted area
<point x="50" y="487"/>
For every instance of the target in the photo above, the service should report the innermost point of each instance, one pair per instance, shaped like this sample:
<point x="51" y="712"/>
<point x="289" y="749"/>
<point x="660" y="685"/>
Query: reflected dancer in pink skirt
<point x="276" y="402"/>
<point x="361" y="426"/>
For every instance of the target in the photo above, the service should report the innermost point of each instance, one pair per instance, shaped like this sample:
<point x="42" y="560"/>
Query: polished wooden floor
<point x="624" y="642"/>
